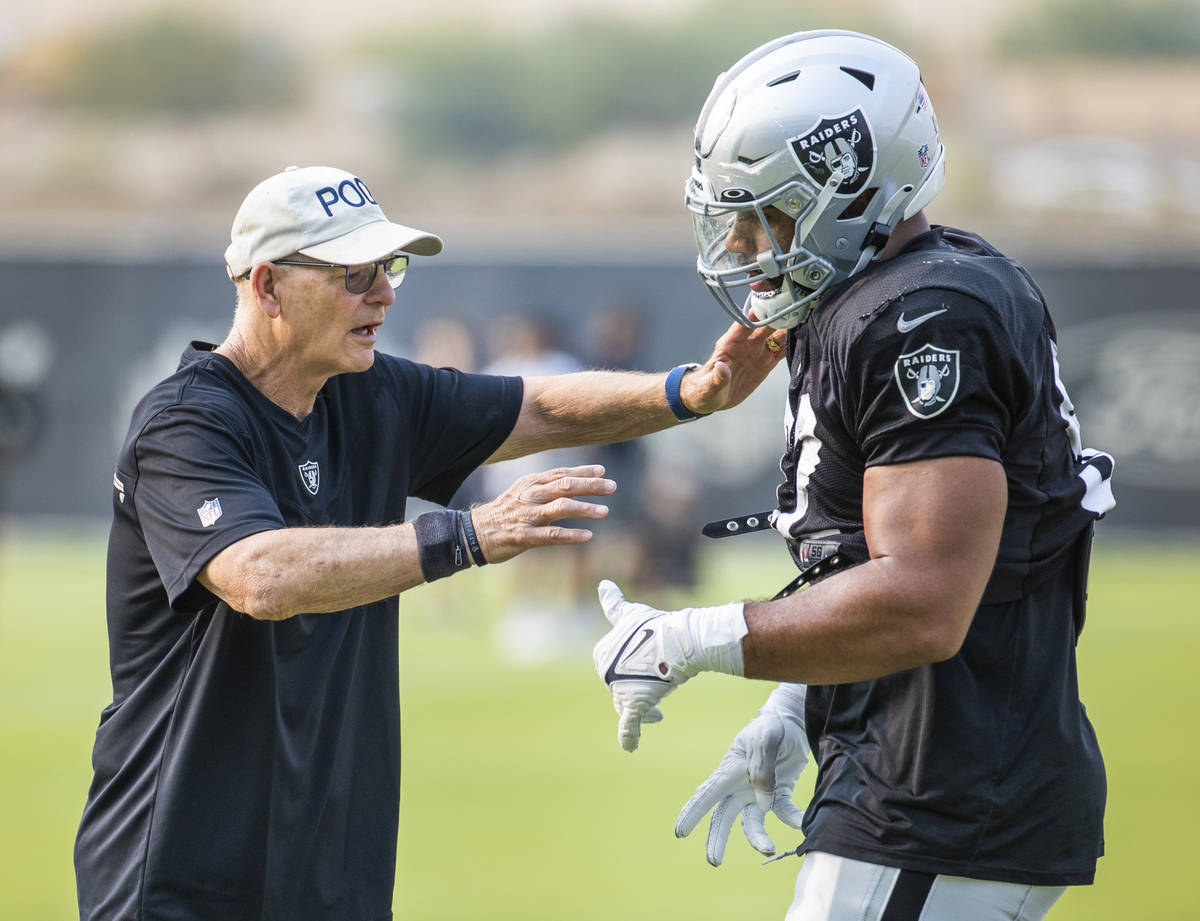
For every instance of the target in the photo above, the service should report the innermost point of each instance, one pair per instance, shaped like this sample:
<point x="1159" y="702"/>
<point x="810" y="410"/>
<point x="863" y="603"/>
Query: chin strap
<point x="877" y="239"/>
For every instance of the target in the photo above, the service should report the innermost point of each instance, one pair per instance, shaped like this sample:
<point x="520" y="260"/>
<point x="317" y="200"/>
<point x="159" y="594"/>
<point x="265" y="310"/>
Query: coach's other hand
<point x="523" y="515"/>
<point x="648" y="653"/>
<point x="756" y="776"/>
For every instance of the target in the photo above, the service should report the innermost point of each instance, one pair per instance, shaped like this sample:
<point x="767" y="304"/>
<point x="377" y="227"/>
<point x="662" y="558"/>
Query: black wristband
<point x="468" y="527"/>
<point x="440" y="545"/>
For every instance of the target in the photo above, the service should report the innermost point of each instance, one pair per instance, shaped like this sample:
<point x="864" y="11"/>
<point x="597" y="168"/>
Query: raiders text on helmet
<point x="835" y="130"/>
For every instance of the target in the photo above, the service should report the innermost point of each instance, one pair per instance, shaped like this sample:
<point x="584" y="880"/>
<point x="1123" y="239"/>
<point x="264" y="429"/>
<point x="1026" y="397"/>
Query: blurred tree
<point x="476" y="95"/>
<point x="176" y="62"/>
<point x="1121" y="29"/>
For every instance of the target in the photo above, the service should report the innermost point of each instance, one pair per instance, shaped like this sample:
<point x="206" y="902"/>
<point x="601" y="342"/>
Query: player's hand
<point x="648" y="653"/>
<point x="756" y="776"/>
<point x="632" y="659"/>
<point x="741" y="360"/>
<point x="524" y="515"/>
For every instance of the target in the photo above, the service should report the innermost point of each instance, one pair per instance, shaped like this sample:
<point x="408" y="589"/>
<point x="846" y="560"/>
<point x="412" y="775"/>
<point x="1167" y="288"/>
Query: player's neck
<point x="904" y="233"/>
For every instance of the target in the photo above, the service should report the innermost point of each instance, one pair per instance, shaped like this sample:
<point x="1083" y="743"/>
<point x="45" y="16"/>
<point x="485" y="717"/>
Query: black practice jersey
<point x="984" y="765"/>
<point x="248" y="769"/>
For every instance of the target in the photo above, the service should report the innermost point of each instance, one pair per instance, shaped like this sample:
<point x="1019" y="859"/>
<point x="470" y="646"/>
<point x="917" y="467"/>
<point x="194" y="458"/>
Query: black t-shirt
<point x="984" y="765"/>
<point x="249" y="769"/>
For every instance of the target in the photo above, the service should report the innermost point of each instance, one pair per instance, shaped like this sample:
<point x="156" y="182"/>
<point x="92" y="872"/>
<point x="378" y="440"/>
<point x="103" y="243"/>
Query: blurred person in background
<point x="937" y="501"/>
<point x="652" y="520"/>
<point x="248" y="766"/>
<point x="665" y="538"/>
<point x="19" y="423"/>
<point x="449" y="342"/>
<point x="26" y="358"/>
<point x="616" y="337"/>
<point x="550" y="610"/>
<point x="445" y="342"/>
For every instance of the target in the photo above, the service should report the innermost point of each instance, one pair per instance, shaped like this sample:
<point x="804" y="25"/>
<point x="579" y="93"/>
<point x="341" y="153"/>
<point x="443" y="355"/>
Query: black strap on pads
<point x="742" y="524"/>
<point x="819" y="557"/>
<point x="824" y="563"/>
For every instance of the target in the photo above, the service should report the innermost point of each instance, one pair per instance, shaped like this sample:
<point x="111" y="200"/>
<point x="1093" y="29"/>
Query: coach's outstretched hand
<point x="756" y="776"/>
<point x="524" y="515"/>
<point x="648" y="653"/>
<point x="741" y="360"/>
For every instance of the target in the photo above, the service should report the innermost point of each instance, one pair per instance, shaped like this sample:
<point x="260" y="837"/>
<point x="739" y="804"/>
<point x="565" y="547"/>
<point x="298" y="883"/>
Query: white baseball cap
<point x="321" y="212"/>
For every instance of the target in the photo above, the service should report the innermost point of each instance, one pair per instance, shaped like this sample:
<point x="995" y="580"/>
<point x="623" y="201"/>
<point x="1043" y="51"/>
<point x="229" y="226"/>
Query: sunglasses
<point x="359" y="278"/>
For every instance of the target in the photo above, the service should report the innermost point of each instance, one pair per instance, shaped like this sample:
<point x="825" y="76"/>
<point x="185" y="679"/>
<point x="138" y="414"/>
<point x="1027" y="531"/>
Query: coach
<point x="248" y="766"/>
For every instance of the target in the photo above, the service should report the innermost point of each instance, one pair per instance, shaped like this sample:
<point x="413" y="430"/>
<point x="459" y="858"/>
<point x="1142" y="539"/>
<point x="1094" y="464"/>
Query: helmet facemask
<point x="783" y="283"/>
<point x="832" y="130"/>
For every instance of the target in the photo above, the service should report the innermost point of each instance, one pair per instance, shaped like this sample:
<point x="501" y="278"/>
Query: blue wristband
<point x="681" y="412"/>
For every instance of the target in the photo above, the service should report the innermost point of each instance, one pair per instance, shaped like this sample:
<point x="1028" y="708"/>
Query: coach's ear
<point x="263" y="280"/>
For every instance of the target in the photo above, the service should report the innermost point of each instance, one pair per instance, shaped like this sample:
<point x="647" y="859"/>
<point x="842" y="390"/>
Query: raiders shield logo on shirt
<point x="310" y="473"/>
<point x="843" y="141"/>
<point x="928" y="379"/>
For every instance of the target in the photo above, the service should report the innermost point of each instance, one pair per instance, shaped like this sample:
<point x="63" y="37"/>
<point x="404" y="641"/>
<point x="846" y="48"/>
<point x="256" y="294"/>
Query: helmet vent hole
<point x="858" y="207"/>
<point x="866" y="79"/>
<point x="786" y="78"/>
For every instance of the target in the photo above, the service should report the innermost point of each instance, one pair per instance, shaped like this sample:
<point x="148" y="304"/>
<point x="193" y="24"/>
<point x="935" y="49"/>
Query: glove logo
<point x="630" y="660"/>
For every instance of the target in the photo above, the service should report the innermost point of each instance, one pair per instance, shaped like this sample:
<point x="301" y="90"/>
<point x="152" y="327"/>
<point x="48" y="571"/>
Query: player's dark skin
<point x="297" y="326"/>
<point x="933" y="529"/>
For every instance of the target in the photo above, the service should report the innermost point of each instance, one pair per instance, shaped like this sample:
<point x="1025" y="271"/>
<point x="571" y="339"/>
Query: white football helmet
<point x="835" y="130"/>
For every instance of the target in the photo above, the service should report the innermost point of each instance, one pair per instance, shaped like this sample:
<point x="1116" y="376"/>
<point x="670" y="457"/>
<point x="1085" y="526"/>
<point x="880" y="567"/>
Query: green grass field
<point x="518" y="803"/>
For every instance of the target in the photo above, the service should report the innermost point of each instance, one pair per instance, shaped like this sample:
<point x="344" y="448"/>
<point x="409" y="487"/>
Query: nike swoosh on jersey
<point x="907" y="326"/>
<point x="626" y="653"/>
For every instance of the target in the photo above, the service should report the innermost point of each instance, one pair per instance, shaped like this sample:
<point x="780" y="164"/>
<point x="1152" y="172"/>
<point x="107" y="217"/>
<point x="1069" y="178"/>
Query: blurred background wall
<point x="547" y="141"/>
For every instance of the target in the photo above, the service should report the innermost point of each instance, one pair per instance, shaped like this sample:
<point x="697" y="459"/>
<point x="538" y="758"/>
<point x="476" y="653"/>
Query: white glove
<point x="756" y="776"/>
<point x="648" y="653"/>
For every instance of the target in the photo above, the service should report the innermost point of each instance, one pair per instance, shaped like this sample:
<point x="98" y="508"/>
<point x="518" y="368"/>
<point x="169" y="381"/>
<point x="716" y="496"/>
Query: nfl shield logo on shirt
<point x="310" y="473"/>
<point x="928" y="379"/>
<point x="209" y="512"/>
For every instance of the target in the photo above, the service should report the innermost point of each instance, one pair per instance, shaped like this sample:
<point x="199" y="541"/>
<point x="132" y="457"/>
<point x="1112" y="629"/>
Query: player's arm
<point x="601" y="407"/>
<point x="276" y="574"/>
<point x="933" y="529"/>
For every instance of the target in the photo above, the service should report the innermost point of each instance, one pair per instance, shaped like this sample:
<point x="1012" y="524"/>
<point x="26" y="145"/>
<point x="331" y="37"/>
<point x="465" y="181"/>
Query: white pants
<point x="831" y="888"/>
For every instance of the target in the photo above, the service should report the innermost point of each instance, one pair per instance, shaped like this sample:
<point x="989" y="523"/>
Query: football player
<point x="936" y="499"/>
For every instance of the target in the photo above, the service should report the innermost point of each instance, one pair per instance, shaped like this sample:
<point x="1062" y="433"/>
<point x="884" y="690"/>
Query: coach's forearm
<point x="587" y="407"/>
<point x="601" y="407"/>
<point x="274" y="575"/>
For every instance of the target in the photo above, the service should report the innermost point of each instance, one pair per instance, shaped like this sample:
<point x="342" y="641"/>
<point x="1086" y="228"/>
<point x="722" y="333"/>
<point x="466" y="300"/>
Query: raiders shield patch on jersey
<point x="928" y="379"/>
<point x="310" y="473"/>
<point x="842" y="142"/>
